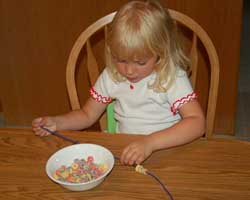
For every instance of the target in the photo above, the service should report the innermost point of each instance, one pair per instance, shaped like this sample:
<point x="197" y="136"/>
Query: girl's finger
<point x="139" y="160"/>
<point x="133" y="158"/>
<point x="41" y="132"/>
<point x="124" y="152"/>
<point x="36" y="121"/>
<point x="128" y="156"/>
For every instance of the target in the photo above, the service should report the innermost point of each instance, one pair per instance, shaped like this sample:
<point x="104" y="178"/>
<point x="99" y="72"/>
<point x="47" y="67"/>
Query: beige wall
<point x="36" y="38"/>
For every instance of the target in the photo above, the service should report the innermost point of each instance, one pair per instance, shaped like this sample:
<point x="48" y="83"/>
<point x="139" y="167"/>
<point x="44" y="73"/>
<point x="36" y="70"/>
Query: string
<point x="138" y="168"/>
<point x="61" y="136"/>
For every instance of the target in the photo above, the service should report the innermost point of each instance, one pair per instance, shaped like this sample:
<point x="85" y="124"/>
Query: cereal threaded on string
<point x="140" y="169"/>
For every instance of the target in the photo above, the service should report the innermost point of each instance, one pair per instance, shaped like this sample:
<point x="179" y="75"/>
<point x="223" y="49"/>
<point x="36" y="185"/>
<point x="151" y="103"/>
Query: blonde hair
<point x="145" y="28"/>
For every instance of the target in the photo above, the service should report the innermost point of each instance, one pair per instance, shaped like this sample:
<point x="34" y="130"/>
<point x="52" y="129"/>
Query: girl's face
<point x="135" y="70"/>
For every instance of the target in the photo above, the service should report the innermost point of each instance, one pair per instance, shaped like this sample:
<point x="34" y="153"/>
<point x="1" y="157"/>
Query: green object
<point x="111" y="123"/>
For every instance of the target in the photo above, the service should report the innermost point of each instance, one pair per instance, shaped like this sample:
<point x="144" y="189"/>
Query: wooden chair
<point x="198" y="32"/>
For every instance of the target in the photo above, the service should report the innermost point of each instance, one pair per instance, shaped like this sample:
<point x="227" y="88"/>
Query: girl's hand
<point x="136" y="152"/>
<point x="47" y="122"/>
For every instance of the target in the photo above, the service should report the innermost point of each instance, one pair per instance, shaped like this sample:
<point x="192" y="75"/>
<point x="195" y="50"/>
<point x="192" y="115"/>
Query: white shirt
<point x="140" y="110"/>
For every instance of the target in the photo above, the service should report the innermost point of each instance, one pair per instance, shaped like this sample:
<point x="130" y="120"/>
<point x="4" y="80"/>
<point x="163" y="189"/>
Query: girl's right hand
<point x="46" y="122"/>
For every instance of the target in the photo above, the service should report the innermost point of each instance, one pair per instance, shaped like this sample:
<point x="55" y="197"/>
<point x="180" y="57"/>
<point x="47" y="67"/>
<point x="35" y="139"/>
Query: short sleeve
<point x="100" y="91"/>
<point x="181" y="92"/>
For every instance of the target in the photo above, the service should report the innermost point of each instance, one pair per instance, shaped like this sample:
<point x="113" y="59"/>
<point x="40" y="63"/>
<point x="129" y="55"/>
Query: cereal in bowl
<point x="80" y="171"/>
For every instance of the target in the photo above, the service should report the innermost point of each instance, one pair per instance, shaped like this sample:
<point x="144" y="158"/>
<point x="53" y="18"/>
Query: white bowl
<point x="66" y="156"/>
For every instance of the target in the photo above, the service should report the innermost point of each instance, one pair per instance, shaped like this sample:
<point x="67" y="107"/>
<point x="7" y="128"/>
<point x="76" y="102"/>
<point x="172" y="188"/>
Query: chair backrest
<point x="93" y="70"/>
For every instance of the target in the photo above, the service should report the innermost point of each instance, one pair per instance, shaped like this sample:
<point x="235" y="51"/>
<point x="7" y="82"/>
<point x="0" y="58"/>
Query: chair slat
<point x="194" y="60"/>
<point x="93" y="71"/>
<point x="105" y="33"/>
<point x="92" y="65"/>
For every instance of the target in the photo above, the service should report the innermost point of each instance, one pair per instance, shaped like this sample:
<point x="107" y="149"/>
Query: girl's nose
<point x="129" y="69"/>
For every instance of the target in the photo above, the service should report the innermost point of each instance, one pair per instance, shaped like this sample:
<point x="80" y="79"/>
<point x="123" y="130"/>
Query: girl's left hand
<point x="136" y="152"/>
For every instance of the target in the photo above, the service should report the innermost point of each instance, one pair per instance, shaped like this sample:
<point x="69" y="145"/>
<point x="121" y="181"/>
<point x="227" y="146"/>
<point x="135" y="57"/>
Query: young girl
<point x="146" y="77"/>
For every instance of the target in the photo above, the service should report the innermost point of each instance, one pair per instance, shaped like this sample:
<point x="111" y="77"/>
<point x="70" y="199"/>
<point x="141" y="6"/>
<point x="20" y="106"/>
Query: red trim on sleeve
<point x="179" y="102"/>
<point x="98" y="97"/>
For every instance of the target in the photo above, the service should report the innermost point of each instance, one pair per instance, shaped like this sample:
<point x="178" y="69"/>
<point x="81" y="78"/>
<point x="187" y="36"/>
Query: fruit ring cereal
<point x="80" y="171"/>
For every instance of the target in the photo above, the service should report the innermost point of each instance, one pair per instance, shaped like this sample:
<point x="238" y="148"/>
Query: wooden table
<point x="206" y="169"/>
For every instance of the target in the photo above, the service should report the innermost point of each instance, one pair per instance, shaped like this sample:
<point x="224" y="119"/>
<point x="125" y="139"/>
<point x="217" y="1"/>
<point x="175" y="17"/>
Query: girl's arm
<point x="191" y="127"/>
<point x="74" y="120"/>
<point x="82" y="118"/>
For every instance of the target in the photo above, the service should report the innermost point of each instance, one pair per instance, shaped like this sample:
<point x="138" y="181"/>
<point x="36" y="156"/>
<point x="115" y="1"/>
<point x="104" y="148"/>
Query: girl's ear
<point x="158" y="59"/>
